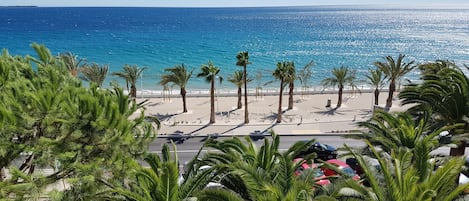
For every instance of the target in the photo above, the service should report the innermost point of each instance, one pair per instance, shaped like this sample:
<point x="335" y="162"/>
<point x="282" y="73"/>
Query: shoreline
<point x="231" y="92"/>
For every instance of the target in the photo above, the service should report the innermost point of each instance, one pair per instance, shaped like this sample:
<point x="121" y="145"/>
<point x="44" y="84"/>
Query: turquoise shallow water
<point x="163" y="37"/>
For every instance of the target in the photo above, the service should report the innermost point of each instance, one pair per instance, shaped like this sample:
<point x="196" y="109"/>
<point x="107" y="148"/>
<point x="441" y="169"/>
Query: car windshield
<point x="323" y="146"/>
<point x="349" y="171"/>
<point x="318" y="173"/>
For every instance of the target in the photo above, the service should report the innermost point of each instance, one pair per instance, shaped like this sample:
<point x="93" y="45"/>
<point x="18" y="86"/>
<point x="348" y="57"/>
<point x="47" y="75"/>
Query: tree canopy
<point x="48" y="120"/>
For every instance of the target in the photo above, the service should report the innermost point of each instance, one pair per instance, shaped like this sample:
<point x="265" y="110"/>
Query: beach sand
<point x="308" y="116"/>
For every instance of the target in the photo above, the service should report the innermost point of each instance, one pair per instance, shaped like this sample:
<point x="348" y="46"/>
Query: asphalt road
<point x="187" y="150"/>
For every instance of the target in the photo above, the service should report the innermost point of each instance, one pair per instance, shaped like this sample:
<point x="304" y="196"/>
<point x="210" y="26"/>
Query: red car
<point x="319" y="176"/>
<point x="341" y="165"/>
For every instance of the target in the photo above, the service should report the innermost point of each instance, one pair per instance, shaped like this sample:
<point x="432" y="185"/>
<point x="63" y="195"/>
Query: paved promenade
<point x="308" y="116"/>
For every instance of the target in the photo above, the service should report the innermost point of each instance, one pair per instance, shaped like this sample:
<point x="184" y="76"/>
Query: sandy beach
<point x="309" y="115"/>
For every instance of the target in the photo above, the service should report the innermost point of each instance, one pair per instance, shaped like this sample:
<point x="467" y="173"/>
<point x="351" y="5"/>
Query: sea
<point x="159" y="38"/>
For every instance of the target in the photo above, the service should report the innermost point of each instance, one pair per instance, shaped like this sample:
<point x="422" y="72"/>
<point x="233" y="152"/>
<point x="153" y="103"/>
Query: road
<point x="190" y="147"/>
<point x="187" y="150"/>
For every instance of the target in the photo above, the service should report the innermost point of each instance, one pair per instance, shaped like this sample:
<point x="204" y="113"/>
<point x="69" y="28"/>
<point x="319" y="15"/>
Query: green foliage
<point x="340" y="78"/>
<point x="446" y="94"/>
<point x="71" y="62"/>
<point x="94" y="73"/>
<point x="394" y="70"/>
<point x="161" y="180"/>
<point x="178" y="75"/>
<point x="130" y="74"/>
<point x="401" y="181"/>
<point x="394" y="132"/>
<point x="51" y="121"/>
<point x="253" y="173"/>
<point x="285" y="72"/>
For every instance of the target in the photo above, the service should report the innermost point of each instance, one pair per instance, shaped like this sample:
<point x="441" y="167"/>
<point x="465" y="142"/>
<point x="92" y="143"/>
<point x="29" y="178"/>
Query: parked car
<point x="341" y="165"/>
<point x="355" y="165"/>
<point x="319" y="176"/>
<point x="323" y="152"/>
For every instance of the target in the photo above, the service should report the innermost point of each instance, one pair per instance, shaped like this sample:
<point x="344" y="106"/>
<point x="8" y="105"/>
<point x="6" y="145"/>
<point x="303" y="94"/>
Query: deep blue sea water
<point x="163" y="37"/>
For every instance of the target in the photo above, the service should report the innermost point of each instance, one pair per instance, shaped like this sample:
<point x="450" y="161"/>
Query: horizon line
<point x="410" y="6"/>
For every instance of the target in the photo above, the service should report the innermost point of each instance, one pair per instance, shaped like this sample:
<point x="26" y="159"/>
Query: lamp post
<point x="217" y="95"/>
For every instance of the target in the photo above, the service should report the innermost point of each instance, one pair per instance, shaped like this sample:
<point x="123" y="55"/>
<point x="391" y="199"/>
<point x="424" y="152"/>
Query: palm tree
<point x="447" y="95"/>
<point x="94" y="73"/>
<point x="401" y="180"/>
<point x="71" y="62"/>
<point x="237" y="79"/>
<point x="281" y="73"/>
<point x="243" y="60"/>
<point x="45" y="58"/>
<point x="251" y="173"/>
<point x="435" y="67"/>
<point x="291" y="77"/>
<point x="304" y="75"/>
<point x="394" y="70"/>
<point x="396" y="131"/>
<point x="210" y="73"/>
<point x="161" y="180"/>
<point x="376" y="79"/>
<point x="178" y="75"/>
<point x="130" y="74"/>
<point x="341" y="77"/>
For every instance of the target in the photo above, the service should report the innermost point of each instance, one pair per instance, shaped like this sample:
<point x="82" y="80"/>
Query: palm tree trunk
<point x="376" y="96"/>
<point x="240" y="94"/>
<point x="183" y="94"/>
<point x="339" y="101"/>
<point x="246" y="113"/>
<point x="290" y="96"/>
<point x="279" y="113"/>
<point x="392" y="88"/>
<point x="212" y="101"/>
<point x="133" y="91"/>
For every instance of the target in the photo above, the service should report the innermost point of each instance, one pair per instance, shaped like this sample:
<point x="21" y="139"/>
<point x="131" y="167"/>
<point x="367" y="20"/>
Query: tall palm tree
<point x="210" y="73"/>
<point x="178" y="75"/>
<point x="341" y="76"/>
<point x="71" y="62"/>
<point x="447" y="95"/>
<point x="291" y="77"/>
<point x="394" y="70"/>
<point x="130" y="74"/>
<point x="376" y="79"/>
<point x="281" y="73"/>
<point x="243" y="60"/>
<point x="237" y="79"/>
<point x="94" y="73"/>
